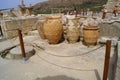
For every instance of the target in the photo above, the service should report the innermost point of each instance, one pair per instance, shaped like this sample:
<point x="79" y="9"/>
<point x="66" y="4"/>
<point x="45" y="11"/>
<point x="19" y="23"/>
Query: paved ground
<point x="63" y="61"/>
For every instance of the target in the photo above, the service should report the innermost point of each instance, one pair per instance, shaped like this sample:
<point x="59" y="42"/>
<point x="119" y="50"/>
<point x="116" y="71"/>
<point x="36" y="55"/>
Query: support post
<point x="107" y="59"/>
<point x="21" y="43"/>
<point x="1" y="33"/>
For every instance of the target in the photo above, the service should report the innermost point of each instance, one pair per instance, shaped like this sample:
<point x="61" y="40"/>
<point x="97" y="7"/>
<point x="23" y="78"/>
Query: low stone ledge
<point x="15" y="53"/>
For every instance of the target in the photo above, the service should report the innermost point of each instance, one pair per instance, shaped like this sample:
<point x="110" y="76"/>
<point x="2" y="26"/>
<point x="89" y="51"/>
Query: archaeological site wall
<point x="117" y="72"/>
<point x="10" y="26"/>
<point x="110" y="30"/>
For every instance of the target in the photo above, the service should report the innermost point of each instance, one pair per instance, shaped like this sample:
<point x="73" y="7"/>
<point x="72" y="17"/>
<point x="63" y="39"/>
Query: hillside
<point x="47" y="5"/>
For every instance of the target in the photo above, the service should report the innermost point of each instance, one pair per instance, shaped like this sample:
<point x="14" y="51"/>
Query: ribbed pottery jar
<point x="73" y="29"/>
<point x="40" y="25"/>
<point x="53" y="29"/>
<point x="90" y="35"/>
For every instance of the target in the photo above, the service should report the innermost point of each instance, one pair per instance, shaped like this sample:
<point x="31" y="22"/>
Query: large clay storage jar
<point x="73" y="29"/>
<point x="90" y="35"/>
<point x="53" y="29"/>
<point x="40" y="25"/>
<point x="73" y="34"/>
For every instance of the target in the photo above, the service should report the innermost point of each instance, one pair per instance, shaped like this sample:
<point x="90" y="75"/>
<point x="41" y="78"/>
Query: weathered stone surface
<point x="110" y="30"/>
<point x="26" y="25"/>
<point x="86" y="63"/>
<point x="16" y="52"/>
<point x="117" y="74"/>
<point x="33" y="33"/>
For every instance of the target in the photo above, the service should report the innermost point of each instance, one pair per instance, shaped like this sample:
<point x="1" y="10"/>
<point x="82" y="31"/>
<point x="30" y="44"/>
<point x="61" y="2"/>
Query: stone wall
<point x="26" y="25"/>
<point x="110" y="30"/>
<point x="112" y="63"/>
<point x="117" y="74"/>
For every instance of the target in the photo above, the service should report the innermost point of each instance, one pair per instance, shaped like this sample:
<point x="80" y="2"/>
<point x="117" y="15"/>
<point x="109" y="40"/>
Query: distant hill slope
<point x="47" y="5"/>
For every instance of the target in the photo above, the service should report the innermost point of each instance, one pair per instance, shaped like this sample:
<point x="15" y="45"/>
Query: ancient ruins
<point x="59" y="46"/>
<point x="111" y="4"/>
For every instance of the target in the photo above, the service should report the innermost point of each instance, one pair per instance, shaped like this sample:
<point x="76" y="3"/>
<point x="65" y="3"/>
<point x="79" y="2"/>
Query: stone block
<point x="26" y="25"/>
<point x="110" y="30"/>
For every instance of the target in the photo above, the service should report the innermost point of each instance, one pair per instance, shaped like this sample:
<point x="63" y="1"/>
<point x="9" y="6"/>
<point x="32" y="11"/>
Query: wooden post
<point x="1" y="33"/>
<point x="107" y="59"/>
<point x="21" y="43"/>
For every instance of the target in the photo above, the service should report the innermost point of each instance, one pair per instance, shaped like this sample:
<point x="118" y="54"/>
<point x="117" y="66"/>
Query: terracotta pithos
<point x="73" y="29"/>
<point x="40" y="25"/>
<point x="53" y="29"/>
<point x="73" y="34"/>
<point x="90" y="35"/>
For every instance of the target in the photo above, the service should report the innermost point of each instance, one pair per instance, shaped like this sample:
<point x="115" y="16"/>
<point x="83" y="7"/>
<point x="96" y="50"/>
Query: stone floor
<point x="62" y="61"/>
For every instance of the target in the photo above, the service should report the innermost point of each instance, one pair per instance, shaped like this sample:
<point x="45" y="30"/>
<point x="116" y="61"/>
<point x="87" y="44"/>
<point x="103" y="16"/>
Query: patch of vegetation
<point x="94" y="6"/>
<point x="43" y="12"/>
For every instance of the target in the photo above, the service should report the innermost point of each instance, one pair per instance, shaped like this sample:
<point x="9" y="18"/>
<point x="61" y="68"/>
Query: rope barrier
<point x="85" y="53"/>
<point x="61" y="66"/>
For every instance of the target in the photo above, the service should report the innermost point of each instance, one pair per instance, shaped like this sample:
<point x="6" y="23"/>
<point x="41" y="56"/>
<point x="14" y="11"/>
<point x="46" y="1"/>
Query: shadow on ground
<point x="59" y="77"/>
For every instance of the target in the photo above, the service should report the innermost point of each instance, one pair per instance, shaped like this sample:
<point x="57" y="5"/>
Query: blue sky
<point x="14" y="3"/>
